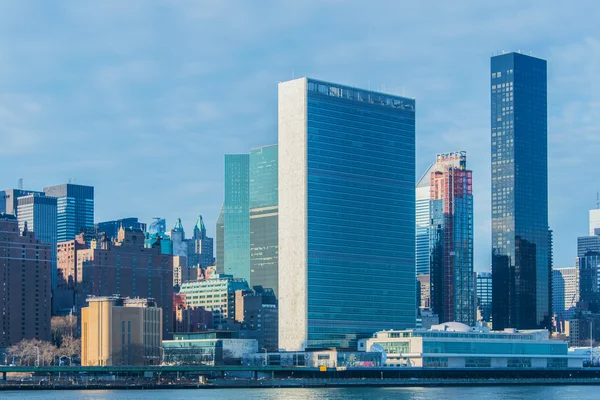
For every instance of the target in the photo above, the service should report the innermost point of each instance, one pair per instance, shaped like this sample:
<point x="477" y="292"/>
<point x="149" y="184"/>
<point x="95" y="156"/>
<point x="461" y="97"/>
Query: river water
<point x="437" y="393"/>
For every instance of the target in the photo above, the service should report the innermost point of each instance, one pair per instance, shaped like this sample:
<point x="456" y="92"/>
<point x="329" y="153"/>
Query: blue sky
<point x="141" y="98"/>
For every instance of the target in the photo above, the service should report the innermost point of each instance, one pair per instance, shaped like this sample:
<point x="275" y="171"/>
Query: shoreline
<point x="301" y="384"/>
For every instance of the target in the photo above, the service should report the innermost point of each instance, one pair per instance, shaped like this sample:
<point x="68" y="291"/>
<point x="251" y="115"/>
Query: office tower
<point x="520" y="261"/>
<point x="189" y="319"/>
<point x="220" y="256"/>
<point x="589" y="279"/>
<point x="9" y="200"/>
<point x="451" y="239"/>
<point x="180" y="247"/>
<point x="346" y="214"/>
<point x="200" y="246"/>
<point x="484" y="296"/>
<point x="125" y="267"/>
<point x="121" y="331"/>
<point x="37" y="213"/>
<point x="236" y="216"/>
<point x="263" y="217"/>
<point x="75" y="210"/>
<point x="595" y="222"/>
<point x="25" y="292"/>
<point x="111" y="228"/>
<point x="215" y="294"/>
<point x="423" y="205"/>
<point x="158" y="226"/>
<point x="565" y="292"/>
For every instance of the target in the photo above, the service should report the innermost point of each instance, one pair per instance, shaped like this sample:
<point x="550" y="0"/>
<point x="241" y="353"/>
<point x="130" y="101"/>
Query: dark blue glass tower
<point x="520" y="252"/>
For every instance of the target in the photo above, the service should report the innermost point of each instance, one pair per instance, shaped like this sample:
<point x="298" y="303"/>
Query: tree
<point x="63" y="326"/>
<point x="70" y="347"/>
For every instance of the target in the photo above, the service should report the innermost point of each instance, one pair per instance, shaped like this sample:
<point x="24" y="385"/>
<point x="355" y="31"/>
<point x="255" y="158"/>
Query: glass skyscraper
<point x="38" y="213"/>
<point x="423" y="205"/>
<point x="346" y="214"/>
<point x="484" y="296"/>
<point x="111" y="228"/>
<point x="236" y="216"/>
<point x="9" y="200"/>
<point x="75" y="210"/>
<point x="451" y="239"/>
<point x="263" y="217"/>
<point x="520" y="251"/>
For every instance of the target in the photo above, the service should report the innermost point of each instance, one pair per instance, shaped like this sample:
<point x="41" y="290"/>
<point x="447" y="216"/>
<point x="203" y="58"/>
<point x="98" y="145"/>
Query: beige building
<point x="120" y="331"/>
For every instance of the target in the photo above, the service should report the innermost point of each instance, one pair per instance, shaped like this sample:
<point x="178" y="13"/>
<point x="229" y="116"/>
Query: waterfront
<point x="414" y="393"/>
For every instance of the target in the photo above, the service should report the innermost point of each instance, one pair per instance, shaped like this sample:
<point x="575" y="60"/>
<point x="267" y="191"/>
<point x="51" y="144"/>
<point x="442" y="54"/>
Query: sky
<point x="142" y="98"/>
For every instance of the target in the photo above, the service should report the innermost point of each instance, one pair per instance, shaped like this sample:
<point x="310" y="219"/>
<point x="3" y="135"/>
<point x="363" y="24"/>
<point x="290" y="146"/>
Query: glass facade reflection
<point x="75" y="210"/>
<point x="263" y="217"/>
<point x="520" y="253"/>
<point x="236" y="216"/>
<point x="357" y="187"/>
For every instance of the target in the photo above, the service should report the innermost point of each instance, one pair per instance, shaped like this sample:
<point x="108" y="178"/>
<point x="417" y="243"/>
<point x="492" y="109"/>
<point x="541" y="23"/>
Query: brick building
<point x="25" y="278"/>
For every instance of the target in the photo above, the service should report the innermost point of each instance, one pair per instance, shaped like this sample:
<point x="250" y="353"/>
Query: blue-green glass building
<point x="263" y="217"/>
<point x="346" y="214"/>
<point x="236" y="216"/>
<point x="520" y="236"/>
<point x="75" y="210"/>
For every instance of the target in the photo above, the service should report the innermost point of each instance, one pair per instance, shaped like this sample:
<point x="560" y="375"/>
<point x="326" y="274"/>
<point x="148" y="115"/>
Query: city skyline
<point x="100" y="102"/>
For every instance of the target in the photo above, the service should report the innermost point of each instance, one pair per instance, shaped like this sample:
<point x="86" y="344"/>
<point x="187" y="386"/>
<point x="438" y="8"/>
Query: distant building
<point x="423" y="219"/>
<point x="38" y="213"/>
<point x="215" y="294"/>
<point x="236" y="216"/>
<point x="111" y="228"/>
<point x="220" y="256"/>
<point x="263" y="217"/>
<point x="75" y="210"/>
<point x="425" y="288"/>
<point x="158" y="226"/>
<point x="565" y="293"/>
<point x="69" y="276"/>
<point x="200" y="246"/>
<point x="595" y="222"/>
<point x="519" y="147"/>
<point x="456" y="345"/>
<point x="208" y="348"/>
<point x="346" y="169"/>
<point x="189" y="319"/>
<point x="256" y="310"/>
<point x="25" y="292"/>
<point x="484" y="296"/>
<point x="120" y="331"/>
<point x="180" y="247"/>
<point x="588" y="268"/>
<point x="125" y="267"/>
<point x="9" y="200"/>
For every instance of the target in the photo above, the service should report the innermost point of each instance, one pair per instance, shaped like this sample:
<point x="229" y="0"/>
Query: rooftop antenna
<point x="598" y="200"/>
<point x="20" y="184"/>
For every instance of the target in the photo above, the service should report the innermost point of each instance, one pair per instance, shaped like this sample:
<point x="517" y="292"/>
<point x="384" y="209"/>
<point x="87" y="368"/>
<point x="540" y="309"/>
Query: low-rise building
<point x="329" y="358"/>
<point x="120" y="331"/>
<point x="216" y="294"/>
<point x="456" y="345"/>
<point x="209" y="348"/>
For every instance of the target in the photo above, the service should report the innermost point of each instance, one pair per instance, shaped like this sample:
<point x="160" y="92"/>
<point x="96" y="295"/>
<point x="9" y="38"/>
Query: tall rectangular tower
<point x="346" y="214"/>
<point x="236" y="216"/>
<point x="451" y="239"/>
<point x="263" y="217"/>
<point x="423" y="205"/>
<point x="520" y="253"/>
<point x="75" y="210"/>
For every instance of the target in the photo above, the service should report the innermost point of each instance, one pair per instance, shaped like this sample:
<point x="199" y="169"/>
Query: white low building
<point x="456" y="345"/>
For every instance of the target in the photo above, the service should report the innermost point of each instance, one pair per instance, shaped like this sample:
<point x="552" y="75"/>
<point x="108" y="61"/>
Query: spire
<point x="200" y="224"/>
<point x="178" y="227"/>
